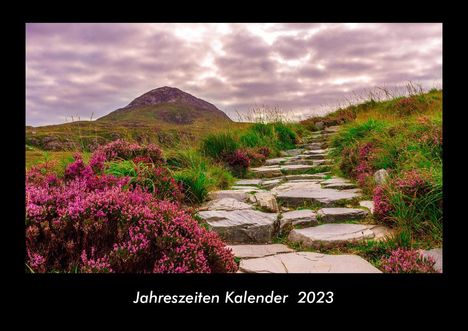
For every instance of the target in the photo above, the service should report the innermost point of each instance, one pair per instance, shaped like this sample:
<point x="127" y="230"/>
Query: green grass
<point x="404" y="136"/>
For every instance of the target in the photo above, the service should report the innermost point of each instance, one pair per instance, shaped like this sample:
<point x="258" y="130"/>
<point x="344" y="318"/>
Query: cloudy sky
<point x="80" y="69"/>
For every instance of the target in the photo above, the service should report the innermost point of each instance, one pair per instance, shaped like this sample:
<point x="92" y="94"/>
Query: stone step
<point x="303" y="217"/>
<point x="238" y="195"/>
<point x="225" y="204"/>
<point x="336" y="234"/>
<point x="249" y="182"/>
<point x="256" y="251"/>
<point x="241" y="226"/>
<point x="291" y="152"/>
<point x="338" y="183"/>
<point x="331" y="215"/>
<point x="277" y="160"/>
<point x="320" y="196"/>
<point x="271" y="183"/>
<point x="307" y="262"/>
<point x="267" y="171"/>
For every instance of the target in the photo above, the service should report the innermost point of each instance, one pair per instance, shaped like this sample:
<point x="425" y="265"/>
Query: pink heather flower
<point x="117" y="229"/>
<point x="407" y="261"/>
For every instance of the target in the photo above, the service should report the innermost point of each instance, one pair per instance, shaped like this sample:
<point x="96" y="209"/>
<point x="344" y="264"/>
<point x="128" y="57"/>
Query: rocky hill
<point x="167" y="104"/>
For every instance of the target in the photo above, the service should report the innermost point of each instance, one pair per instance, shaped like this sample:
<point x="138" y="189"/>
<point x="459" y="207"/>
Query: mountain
<point x="169" y="105"/>
<point x="165" y="115"/>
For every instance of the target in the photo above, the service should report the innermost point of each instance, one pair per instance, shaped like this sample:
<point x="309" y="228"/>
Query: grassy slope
<point x="405" y="135"/>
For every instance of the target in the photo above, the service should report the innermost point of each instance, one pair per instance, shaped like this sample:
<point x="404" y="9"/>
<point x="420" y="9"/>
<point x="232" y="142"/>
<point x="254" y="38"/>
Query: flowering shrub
<point x="121" y="149"/>
<point x="382" y="205"/>
<point x="407" y="261"/>
<point x="239" y="162"/>
<point x="264" y="150"/>
<point x="157" y="180"/>
<point x="90" y="221"/>
<point x="413" y="184"/>
<point x="407" y="106"/>
<point x="256" y="158"/>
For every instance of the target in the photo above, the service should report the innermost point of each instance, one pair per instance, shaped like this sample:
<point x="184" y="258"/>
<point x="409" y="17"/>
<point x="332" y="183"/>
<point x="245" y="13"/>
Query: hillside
<point x="164" y="115"/>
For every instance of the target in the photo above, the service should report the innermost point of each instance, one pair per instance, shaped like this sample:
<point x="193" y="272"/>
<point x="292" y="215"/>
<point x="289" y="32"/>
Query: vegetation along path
<point x="294" y="198"/>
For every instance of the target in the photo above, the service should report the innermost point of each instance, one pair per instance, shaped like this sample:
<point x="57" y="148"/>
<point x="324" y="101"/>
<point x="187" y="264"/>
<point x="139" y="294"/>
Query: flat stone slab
<point x="292" y="152"/>
<point x="328" y="215"/>
<point x="267" y="171"/>
<point x="249" y="182"/>
<point x="322" y="196"/>
<point x="317" y="156"/>
<point x="248" y="189"/>
<point x="307" y="262"/>
<point x="298" y="184"/>
<point x="332" y="234"/>
<point x="255" y="251"/>
<point x="269" y="184"/>
<point x="278" y="160"/>
<point x="332" y="129"/>
<point x="298" y="217"/>
<point x="239" y="195"/>
<point x="241" y="226"/>
<point x="367" y="204"/>
<point x="226" y="204"/>
<point x="338" y="183"/>
<point x="295" y="168"/>
<point x="306" y="176"/>
<point x="436" y="254"/>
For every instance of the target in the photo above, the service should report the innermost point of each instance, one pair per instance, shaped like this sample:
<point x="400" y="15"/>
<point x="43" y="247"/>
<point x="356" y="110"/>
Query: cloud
<point x="79" y="69"/>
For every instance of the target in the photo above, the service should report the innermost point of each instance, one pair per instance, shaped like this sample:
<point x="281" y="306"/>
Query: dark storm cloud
<point x="80" y="69"/>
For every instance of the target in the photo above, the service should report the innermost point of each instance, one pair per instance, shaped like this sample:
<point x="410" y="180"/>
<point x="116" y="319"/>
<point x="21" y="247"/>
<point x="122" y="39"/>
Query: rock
<point x="269" y="184"/>
<point x="338" y="183"/>
<point x="241" y="226"/>
<point x="267" y="171"/>
<point x="291" y="152"/>
<point x="238" y="195"/>
<point x="307" y="262"/>
<point x="367" y="204"/>
<point x="313" y="146"/>
<point x="436" y="254"/>
<point x="317" y="156"/>
<point x="316" y="151"/>
<point x="331" y="129"/>
<point x="255" y="251"/>
<point x="248" y="189"/>
<point x="328" y="215"/>
<point x="298" y="217"/>
<point x="380" y="176"/>
<point x="319" y="125"/>
<point x="333" y="234"/>
<point x="276" y="161"/>
<point x="226" y="204"/>
<point x="323" y="197"/>
<point x="306" y="176"/>
<point x="267" y="201"/>
<point x="249" y="182"/>
<point x="298" y="184"/>
<point x="295" y="168"/>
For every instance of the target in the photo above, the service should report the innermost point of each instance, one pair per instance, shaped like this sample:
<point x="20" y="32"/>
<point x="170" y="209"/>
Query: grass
<point x="403" y="134"/>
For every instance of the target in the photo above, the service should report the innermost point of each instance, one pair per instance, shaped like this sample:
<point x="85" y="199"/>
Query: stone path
<point x="294" y="196"/>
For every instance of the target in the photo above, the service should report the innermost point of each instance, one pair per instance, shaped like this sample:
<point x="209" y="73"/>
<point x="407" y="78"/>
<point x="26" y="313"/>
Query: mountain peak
<point x="167" y="94"/>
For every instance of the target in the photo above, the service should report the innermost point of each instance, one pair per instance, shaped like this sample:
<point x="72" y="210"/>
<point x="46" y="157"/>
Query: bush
<point x="239" y="163"/>
<point x="407" y="261"/>
<point x="91" y="222"/>
<point x="218" y="146"/>
<point x="123" y="150"/>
